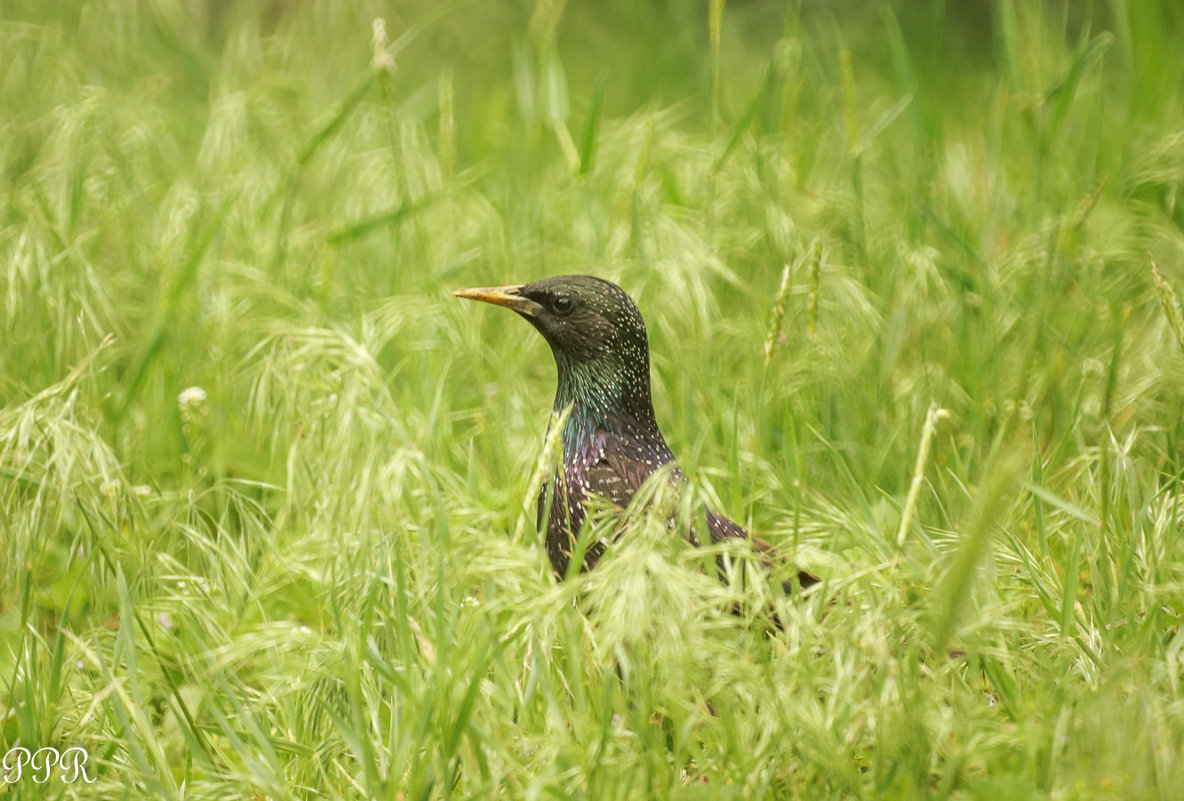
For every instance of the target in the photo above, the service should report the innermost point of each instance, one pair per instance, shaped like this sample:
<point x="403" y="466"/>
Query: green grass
<point x="320" y="577"/>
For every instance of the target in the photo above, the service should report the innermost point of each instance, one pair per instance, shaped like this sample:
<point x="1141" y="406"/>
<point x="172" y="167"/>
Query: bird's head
<point x="595" y="332"/>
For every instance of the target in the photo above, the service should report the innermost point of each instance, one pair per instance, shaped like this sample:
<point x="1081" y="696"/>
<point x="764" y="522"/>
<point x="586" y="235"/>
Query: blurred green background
<point x="266" y="488"/>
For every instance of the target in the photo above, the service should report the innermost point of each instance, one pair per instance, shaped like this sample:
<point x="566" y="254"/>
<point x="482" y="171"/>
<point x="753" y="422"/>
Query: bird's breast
<point x="577" y="464"/>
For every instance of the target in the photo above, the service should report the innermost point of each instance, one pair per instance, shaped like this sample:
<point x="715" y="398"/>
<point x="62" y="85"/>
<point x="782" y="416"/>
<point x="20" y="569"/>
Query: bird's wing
<point x="721" y="527"/>
<point x="621" y="465"/>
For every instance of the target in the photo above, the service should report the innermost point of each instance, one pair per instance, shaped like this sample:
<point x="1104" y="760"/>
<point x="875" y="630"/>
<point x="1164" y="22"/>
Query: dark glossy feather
<point x="607" y="465"/>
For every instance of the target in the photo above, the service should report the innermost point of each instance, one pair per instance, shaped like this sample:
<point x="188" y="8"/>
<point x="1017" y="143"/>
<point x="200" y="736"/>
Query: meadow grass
<point x="267" y="495"/>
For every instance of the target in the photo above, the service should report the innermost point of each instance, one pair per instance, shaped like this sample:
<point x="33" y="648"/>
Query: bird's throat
<point x="603" y="396"/>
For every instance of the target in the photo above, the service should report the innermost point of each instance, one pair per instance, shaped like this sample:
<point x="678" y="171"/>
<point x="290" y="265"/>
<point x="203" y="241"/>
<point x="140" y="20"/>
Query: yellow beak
<point x="509" y="296"/>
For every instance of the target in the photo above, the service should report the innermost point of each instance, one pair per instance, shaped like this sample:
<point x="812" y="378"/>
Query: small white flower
<point x="191" y="398"/>
<point x="165" y="620"/>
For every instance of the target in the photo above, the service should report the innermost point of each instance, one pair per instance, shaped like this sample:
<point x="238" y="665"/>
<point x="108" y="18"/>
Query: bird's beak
<point x="509" y="296"/>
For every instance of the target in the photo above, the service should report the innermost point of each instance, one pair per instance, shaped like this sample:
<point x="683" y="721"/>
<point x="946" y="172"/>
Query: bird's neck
<point x="603" y="395"/>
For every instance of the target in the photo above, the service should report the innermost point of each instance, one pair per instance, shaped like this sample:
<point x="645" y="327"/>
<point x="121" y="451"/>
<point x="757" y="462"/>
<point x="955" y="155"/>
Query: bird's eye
<point x="561" y="304"/>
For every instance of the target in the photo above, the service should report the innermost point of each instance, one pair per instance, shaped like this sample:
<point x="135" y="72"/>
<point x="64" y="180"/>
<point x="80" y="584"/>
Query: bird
<point x="611" y="441"/>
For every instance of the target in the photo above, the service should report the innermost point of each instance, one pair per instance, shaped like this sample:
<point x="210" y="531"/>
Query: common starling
<point x="611" y="441"/>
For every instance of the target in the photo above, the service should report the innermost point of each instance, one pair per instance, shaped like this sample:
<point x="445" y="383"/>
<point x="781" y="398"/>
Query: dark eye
<point x="561" y="304"/>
